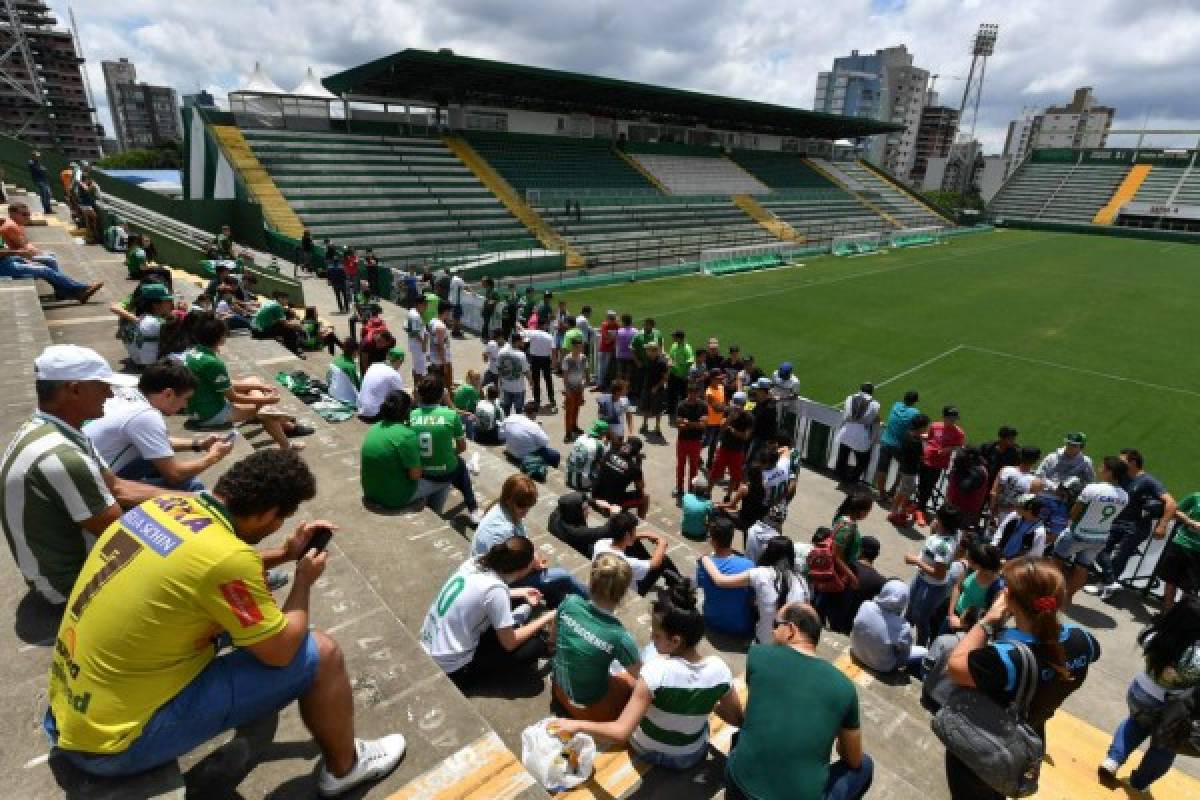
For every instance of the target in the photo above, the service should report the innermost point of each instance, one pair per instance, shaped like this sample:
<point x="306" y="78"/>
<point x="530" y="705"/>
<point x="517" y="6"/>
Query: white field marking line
<point x="922" y="365"/>
<point x="840" y="278"/>
<point x="341" y="626"/>
<point x="1081" y="370"/>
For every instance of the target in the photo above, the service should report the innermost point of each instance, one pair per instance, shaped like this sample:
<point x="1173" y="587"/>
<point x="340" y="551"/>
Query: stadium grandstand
<point x="440" y="158"/>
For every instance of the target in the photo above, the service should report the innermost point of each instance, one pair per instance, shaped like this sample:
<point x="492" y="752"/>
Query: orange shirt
<point x="714" y="396"/>
<point x="67" y="177"/>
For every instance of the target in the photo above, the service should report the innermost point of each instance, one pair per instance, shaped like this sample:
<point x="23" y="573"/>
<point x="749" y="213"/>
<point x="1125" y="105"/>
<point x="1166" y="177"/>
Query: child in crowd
<point x="931" y="584"/>
<point x="972" y="596"/>
<point x="880" y="637"/>
<point x="613" y="407"/>
<point x="697" y="507"/>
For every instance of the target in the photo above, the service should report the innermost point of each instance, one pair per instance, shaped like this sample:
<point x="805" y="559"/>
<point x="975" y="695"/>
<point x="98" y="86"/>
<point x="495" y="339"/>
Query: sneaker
<point x="1107" y="771"/>
<point x="1108" y="591"/>
<point x="476" y="517"/>
<point x="87" y="293"/>
<point x="374" y="759"/>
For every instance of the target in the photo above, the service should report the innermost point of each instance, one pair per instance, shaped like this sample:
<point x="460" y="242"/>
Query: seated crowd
<point x="110" y="524"/>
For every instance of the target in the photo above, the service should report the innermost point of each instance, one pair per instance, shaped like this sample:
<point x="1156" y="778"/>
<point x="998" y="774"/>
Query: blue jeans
<point x="509" y="400"/>
<point x="1129" y="737"/>
<point x="460" y="479"/>
<point x="555" y="583"/>
<point x="43" y="190"/>
<point x="65" y="287"/>
<point x="233" y="690"/>
<point x="924" y="598"/>
<point x="548" y="454"/>
<point x="843" y="783"/>
<point x="144" y="471"/>
<point x="670" y="761"/>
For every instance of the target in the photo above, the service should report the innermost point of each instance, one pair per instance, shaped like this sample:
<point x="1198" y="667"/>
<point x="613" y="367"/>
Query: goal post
<point x="916" y="237"/>
<point x="858" y="244"/>
<point x="725" y="260"/>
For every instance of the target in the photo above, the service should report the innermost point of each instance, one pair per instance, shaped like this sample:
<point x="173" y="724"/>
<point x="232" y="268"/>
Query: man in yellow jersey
<point x="136" y="680"/>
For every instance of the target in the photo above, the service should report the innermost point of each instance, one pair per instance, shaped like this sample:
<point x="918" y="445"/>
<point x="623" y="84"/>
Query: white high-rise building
<point x="884" y="86"/>
<point x="1082" y="123"/>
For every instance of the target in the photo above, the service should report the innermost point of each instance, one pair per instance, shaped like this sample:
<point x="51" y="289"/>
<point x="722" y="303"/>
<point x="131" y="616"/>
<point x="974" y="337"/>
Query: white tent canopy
<point x="260" y="83"/>
<point x="311" y="87"/>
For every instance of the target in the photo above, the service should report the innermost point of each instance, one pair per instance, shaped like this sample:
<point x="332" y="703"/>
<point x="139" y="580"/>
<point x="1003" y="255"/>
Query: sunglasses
<point x="779" y="623"/>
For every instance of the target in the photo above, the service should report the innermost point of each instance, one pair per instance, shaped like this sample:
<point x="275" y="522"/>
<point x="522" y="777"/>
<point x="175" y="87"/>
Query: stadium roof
<point x="443" y="78"/>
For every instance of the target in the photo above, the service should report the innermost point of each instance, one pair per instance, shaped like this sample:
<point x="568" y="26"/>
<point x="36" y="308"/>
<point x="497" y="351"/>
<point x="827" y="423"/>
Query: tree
<point x="168" y="156"/>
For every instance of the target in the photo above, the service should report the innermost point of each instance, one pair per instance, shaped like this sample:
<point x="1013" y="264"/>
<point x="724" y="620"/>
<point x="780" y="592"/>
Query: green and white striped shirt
<point x="53" y="480"/>
<point x="685" y="693"/>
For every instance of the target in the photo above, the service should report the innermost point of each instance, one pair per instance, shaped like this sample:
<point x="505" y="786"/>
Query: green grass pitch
<point x="1047" y="332"/>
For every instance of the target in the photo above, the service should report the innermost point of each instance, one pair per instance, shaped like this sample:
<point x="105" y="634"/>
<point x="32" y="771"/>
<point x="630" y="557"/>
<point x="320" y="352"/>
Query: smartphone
<point x="320" y="539"/>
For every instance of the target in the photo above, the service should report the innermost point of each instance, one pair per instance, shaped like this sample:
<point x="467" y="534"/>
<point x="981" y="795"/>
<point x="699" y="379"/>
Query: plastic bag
<point x="557" y="765"/>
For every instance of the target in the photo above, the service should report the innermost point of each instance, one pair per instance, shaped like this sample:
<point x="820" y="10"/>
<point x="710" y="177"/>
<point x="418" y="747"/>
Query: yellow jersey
<point x="139" y="626"/>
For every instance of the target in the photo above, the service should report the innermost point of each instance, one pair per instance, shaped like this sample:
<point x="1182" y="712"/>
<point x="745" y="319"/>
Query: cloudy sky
<point x="1140" y="55"/>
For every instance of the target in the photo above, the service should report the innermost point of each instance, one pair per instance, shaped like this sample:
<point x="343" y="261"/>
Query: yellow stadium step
<point x="883" y="176"/>
<point x="856" y="195"/>
<point x="778" y="228"/>
<point x="1123" y="194"/>
<point x="645" y="173"/>
<point x="512" y="200"/>
<point x="276" y="210"/>
<point x="483" y="770"/>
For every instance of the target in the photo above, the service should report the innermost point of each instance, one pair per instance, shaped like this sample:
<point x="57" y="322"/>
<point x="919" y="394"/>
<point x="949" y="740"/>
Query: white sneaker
<point x="1093" y="589"/>
<point x="375" y="758"/>
<point x="473" y="464"/>
<point x="476" y="517"/>
<point x="1109" y="767"/>
<point x="1110" y="590"/>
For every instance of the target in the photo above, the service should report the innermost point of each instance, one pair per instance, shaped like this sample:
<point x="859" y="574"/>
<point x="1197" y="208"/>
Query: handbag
<point x="996" y="743"/>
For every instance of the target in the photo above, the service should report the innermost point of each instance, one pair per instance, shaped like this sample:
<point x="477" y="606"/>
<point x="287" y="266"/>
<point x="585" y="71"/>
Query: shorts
<point x="1078" y="550"/>
<point x="222" y="417"/>
<point x="234" y="690"/>
<point x="652" y="402"/>
<point x="1179" y="567"/>
<point x="906" y="485"/>
<point x="886" y="454"/>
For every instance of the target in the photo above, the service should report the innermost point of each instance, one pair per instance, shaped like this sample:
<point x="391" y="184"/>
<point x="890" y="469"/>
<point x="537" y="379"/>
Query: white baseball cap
<point x="70" y="362"/>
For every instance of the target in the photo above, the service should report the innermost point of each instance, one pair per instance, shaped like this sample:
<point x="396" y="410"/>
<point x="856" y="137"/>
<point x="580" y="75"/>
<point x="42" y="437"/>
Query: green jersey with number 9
<point x="437" y="429"/>
<point x="1101" y="502"/>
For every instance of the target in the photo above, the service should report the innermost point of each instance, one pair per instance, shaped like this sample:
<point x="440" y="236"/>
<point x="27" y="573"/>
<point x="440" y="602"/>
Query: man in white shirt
<point x="523" y="436"/>
<point x="627" y="542"/>
<point x="132" y="435"/>
<point x="418" y="338"/>
<point x="1013" y="482"/>
<point x="512" y="369"/>
<point x="1092" y="516"/>
<point x="457" y="287"/>
<point x="860" y="421"/>
<point x="381" y="379"/>
<point x="541" y="362"/>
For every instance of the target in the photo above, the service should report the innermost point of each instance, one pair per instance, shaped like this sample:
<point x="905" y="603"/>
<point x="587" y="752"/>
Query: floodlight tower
<point x="983" y="45"/>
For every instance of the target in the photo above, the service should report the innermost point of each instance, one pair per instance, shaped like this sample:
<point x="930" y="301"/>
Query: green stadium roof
<point x="443" y="78"/>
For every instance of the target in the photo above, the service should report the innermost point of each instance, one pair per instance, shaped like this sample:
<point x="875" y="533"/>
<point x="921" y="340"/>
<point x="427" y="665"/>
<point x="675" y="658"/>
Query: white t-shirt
<point x="523" y="436"/>
<point x="541" y="343"/>
<point x="511" y="368"/>
<point x="710" y="677"/>
<point x="472" y="601"/>
<point x="613" y="412"/>
<point x="488" y="415"/>
<point x="1102" y="502"/>
<point x="582" y="323"/>
<point x="775" y="479"/>
<point x="490" y="351"/>
<point x="439" y="342"/>
<point x="130" y="429"/>
<point x="414" y="326"/>
<point x="757" y="537"/>
<point x="379" y="381"/>
<point x="766" y="599"/>
<point x="1011" y="484"/>
<point x="145" y="343"/>
<point x="457" y="284"/>
<point x="858" y="430"/>
<point x="639" y="566"/>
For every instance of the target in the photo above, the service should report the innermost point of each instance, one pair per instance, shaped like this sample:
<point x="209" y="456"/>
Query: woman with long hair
<point x="1171" y="646"/>
<point x="985" y="659"/>
<point x="666" y="719"/>
<point x="776" y="581"/>
<point x="472" y="630"/>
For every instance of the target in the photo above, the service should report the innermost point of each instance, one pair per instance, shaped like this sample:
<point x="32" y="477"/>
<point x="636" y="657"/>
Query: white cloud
<point x="1140" y="58"/>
